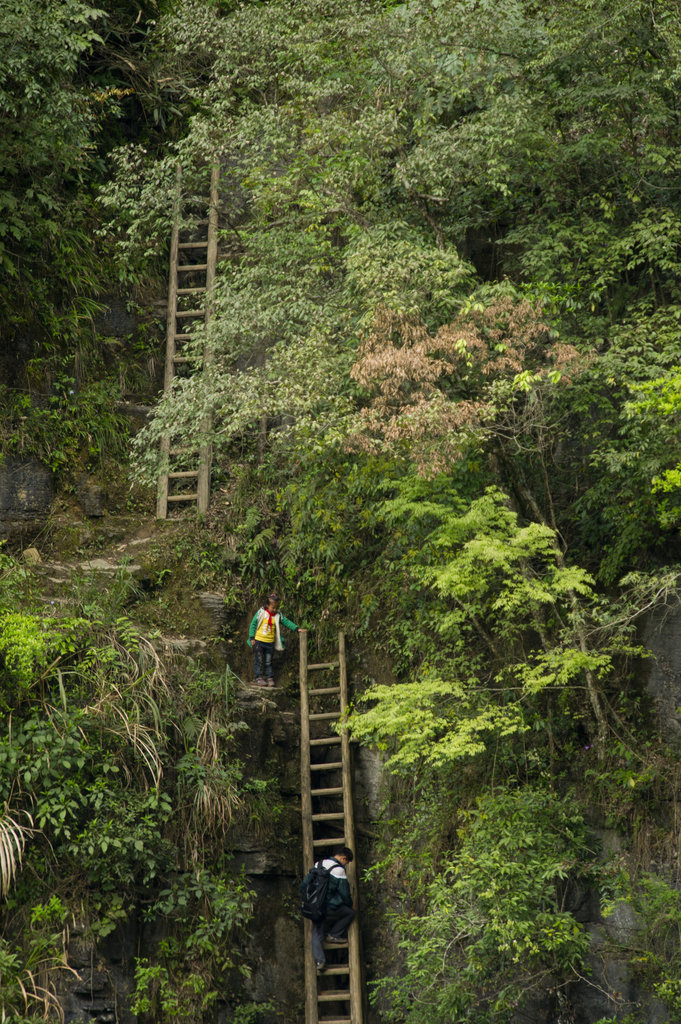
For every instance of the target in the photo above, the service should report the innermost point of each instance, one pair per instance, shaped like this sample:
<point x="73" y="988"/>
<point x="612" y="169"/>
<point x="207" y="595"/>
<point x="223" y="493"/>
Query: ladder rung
<point x="327" y="842"/>
<point x="192" y="245"/>
<point x="336" y="945"/>
<point x="324" y="664"/>
<point x="181" y="474"/>
<point x="331" y="791"/>
<point x="189" y="312"/>
<point x="334" y="1020"/>
<point x="183" y="337"/>
<point x="323" y="716"/>
<point x="183" y="497"/>
<point x="340" y="969"/>
<point x="328" y="817"/>
<point x="324" y="740"/>
<point x="334" y="996"/>
<point x="191" y="291"/>
<point x="191" y="266"/>
<point x="329" y="766"/>
<point x="326" y="689"/>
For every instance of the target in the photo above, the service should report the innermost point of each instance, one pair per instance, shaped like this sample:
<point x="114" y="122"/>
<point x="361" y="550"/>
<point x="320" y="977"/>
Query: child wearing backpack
<point x="264" y="636"/>
<point x="337" y="909"/>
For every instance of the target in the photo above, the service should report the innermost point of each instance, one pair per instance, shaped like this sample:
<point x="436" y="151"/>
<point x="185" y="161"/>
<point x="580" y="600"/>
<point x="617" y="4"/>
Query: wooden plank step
<point x="337" y="969"/>
<point x="193" y="245"/>
<point x="323" y="690"/>
<point x="323" y="716"/>
<point x="331" y="791"/>
<point x="334" y="1020"/>
<point x="334" y="996"/>
<point x="188" y="312"/>
<point x="323" y="664"/>
<point x="191" y="291"/>
<point x="324" y="740"/>
<point x="182" y="474"/>
<point x="183" y="337"/>
<point x="327" y="766"/>
<point x="183" y="497"/>
<point x="328" y="817"/>
<point x="335" y="945"/>
<point x="329" y="842"/>
<point x="185" y="267"/>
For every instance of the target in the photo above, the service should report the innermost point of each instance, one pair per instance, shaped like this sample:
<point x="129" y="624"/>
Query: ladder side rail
<point x="171" y="315"/>
<point x="205" y="454"/>
<point x="171" y="329"/>
<point x="354" y="958"/>
<point x="305" y="759"/>
<point x="162" y="486"/>
<point x="311" y="1014"/>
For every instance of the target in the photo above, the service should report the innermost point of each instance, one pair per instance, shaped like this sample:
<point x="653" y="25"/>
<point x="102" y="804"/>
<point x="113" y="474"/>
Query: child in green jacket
<point x="264" y="636"/>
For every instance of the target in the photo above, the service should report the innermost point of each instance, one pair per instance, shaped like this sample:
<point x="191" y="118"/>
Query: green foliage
<point x="46" y="150"/>
<point x="116" y="781"/>
<point x="654" y="943"/>
<point x="28" y="990"/>
<point x="444" y="400"/>
<point x="73" y="427"/>
<point x="493" y="928"/>
<point x="540" y="143"/>
<point x="187" y="979"/>
<point x="510" y="616"/>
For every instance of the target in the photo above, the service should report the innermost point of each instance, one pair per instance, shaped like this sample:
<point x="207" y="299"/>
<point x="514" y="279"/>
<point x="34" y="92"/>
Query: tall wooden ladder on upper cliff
<point x="336" y="996"/>
<point x="185" y="472"/>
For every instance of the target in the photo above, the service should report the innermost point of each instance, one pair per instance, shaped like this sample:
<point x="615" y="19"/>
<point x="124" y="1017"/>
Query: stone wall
<point x="27" y="492"/>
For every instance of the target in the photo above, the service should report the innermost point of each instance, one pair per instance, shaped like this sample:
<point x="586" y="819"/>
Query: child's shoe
<point x="260" y="682"/>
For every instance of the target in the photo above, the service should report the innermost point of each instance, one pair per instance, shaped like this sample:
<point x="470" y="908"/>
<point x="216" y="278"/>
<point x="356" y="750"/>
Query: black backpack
<point x="313" y="889"/>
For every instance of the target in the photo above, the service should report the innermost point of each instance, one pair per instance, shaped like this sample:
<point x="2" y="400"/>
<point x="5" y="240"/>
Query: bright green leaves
<point x="657" y="411"/>
<point x="32" y="647"/>
<point x="431" y="721"/>
<point x="25" y="641"/>
<point x="509" y="614"/>
<point x="500" y="570"/>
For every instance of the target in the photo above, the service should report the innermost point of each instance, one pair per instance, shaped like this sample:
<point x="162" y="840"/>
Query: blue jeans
<point x="336" y="923"/>
<point x="262" y="659"/>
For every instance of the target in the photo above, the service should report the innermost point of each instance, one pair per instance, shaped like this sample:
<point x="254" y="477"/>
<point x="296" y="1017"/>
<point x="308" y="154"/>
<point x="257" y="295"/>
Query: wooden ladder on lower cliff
<point x="185" y="472"/>
<point x="336" y="996"/>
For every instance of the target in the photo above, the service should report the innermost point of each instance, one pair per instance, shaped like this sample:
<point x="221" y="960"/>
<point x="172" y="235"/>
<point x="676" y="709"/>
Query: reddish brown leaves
<point x="430" y="393"/>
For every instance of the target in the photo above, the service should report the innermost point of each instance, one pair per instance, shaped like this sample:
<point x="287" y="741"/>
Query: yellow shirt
<point x="264" y="632"/>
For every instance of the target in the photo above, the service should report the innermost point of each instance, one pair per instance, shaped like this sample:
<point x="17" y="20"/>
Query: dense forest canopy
<point x="445" y="398"/>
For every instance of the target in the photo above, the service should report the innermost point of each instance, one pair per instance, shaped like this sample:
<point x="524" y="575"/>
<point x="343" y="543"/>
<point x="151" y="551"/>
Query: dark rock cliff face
<point x="26" y="494"/>
<point x="662" y="637"/>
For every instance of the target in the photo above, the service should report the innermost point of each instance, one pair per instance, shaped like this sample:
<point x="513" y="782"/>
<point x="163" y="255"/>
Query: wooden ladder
<point x="185" y="472"/>
<point x="328" y="822"/>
